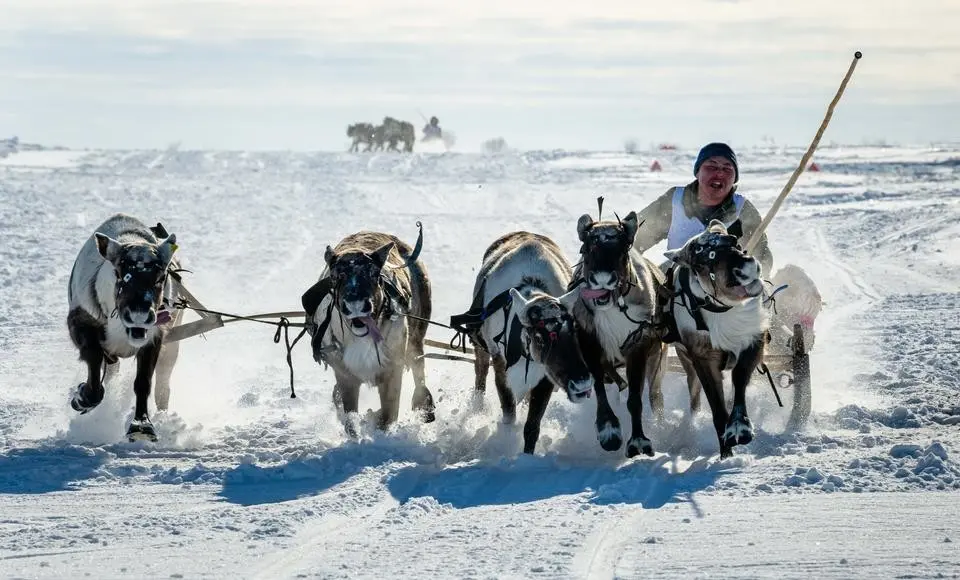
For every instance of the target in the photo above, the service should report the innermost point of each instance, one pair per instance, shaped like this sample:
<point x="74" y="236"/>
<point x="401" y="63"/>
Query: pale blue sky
<point x="290" y="74"/>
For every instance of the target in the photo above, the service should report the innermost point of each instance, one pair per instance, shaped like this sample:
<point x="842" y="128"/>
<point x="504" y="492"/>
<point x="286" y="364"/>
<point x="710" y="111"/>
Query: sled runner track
<point x="850" y="278"/>
<point x="949" y="218"/>
<point x="597" y="559"/>
<point x="314" y="540"/>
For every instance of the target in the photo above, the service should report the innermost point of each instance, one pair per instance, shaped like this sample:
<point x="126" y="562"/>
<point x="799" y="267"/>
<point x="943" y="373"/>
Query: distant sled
<point x="440" y="144"/>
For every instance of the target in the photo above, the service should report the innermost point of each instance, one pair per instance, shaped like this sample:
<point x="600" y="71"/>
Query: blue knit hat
<point x="718" y="150"/>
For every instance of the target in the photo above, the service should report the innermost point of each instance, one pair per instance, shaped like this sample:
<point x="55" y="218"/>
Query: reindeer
<point x="361" y="133"/>
<point x="391" y="132"/>
<point x="357" y="314"/>
<point x="517" y="322"/>
<point x="118" y="295"/>
<point x="615" y="310"/>
<point x="716" y="308"/>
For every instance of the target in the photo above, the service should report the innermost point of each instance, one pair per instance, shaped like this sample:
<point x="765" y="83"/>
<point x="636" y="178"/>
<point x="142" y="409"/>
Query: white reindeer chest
<point x="613" y="327"/>
<point x="732" y="331"/>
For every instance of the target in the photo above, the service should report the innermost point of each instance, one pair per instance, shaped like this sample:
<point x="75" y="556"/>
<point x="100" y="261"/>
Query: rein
<point x="283" y="327"/>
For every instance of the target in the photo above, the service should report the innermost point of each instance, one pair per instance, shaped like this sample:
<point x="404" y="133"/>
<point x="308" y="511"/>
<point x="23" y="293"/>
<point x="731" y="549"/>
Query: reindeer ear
<point x="630" y="226"/>
<point x="380" y="256"/>
<point x="520" y="306"/>
<point x="314" y="295"/>
<point x="108" y="247"/>
<point x="717" y="226"/>
<point x="678" y="256"/>
<point x="569" y="300"/>
<point x="583" y="224"/>
<point x="166" y="248"/>
<point x="328" y="256"/>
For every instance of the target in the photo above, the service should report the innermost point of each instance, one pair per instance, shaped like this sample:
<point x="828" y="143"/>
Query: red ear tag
<point x="541" y="324"/>
<point x="553" y="336"/>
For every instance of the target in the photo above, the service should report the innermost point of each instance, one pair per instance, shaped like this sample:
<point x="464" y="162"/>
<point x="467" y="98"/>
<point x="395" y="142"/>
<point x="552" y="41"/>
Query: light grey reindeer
<point x="357" y="316"/>
<point x="524" y="328"/>
<point x="616" y="310"/>
<point x="117" y="293"/>
<point x="717" y="308"/>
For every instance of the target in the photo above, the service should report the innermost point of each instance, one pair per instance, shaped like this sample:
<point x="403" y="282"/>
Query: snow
<point x="247" y="482"/>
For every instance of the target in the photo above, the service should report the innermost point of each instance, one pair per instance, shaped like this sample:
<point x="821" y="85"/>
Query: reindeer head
<point x="605" y="256"/>
<point x="141" y="270"/>
<point x="551" y="339"/>
<point x="355" y="283"/>
<point x="722" y="267"/>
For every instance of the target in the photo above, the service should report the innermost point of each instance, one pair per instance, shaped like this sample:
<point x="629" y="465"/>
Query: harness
<point x="692" y="303"/>
<point x="470" y="322"/>
<point x="396" y="304"/>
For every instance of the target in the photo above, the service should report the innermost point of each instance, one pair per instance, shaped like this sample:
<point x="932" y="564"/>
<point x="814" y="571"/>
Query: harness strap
<point x="473" y="319"/>
<point x="693" y="304"/>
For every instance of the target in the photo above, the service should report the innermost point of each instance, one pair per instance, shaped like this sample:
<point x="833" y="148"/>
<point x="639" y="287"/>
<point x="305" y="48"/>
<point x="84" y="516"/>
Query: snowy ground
<point x="248" y="483"/>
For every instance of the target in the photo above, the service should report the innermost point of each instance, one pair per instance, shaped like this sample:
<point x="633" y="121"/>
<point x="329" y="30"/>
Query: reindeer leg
<point x="346" y="399"/>
<point x="656" y="367"/>
<point x="390" y="399"/>
<point x="169" y="352"/>
<point x="709" y="371"/>
<point x="110" y="372"/>
<point x="693" y="381"/>
<point x="539" y="397"/>
<point x="507" y="401"/>
<point x="422" y="398"/>
<point x="141" y="428"/>
<point x="739" y="429"/>
<point x="608" y="425"/>
<point x="86" y="333"/>
<point x="481" y="366"/>
<point x="636" y="373"/>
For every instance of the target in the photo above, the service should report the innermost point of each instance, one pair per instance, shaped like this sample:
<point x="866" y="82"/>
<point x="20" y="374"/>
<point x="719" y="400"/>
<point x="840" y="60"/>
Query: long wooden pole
<point x="755" y="238"/>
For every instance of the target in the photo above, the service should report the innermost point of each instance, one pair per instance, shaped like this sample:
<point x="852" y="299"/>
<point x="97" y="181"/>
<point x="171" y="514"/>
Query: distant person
<point x="432" y="129"/>
<point x="684" y="211"/>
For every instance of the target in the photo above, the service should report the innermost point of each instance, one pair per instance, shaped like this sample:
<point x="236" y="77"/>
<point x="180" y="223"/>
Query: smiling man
<point x="684" y="212"/>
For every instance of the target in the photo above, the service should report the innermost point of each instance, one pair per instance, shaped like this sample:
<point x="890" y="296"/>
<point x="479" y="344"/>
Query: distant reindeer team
<point x="385" y="136"/>
<point x="545" y="325"/>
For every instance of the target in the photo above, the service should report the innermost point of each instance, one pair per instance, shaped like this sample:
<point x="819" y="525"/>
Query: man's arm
<point x="655" y="222"/>
<point x="750" y="220"/>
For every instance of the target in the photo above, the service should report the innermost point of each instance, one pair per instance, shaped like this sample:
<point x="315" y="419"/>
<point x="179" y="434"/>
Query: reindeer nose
<point x="359" y="307"/>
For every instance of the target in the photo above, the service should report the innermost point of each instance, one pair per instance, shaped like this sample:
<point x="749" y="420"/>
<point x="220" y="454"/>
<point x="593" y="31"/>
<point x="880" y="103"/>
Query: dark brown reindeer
<point x="519" y="324"/>
<point x="716" y="307"/>
<point x="118" y="289"/>
<point x="361" y="133"/>
<point x="357" y="316"/>
<point x="615" y="308"/>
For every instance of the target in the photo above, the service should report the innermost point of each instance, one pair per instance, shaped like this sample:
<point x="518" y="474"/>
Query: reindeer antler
<point x="599" y="208"/>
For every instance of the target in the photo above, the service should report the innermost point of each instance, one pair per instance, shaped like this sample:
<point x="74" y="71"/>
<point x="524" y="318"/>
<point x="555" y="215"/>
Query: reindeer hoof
<point x="639" y="445"/>
<point x="739" y="431"/>
<point x="608" y="434"/>
<point x="141" y="430"/>
<point x="428" y="416"/>
<point x="81" y="404"/>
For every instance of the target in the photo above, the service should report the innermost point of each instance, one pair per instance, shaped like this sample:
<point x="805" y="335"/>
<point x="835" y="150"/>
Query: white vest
<point x="682" y="228"/>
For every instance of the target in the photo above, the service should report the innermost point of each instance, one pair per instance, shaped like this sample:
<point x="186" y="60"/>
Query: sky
<point x="542" y="74"/>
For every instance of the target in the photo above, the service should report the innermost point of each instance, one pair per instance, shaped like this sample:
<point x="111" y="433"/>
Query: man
<point x="684" y="212"/>
<point x="432" y="129"/>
